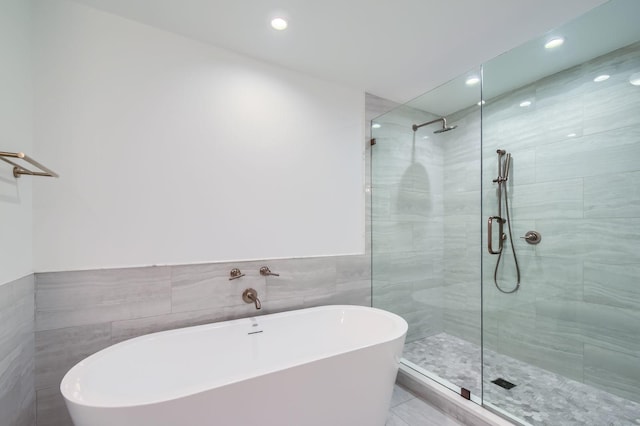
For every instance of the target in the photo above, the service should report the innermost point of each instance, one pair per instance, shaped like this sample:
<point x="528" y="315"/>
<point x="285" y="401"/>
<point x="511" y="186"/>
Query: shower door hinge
<point x="373" y="141"/>
<point x="465" y="393"/>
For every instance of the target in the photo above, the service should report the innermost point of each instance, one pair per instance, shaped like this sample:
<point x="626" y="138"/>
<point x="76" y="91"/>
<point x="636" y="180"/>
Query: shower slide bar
<point x="19" y="170"/>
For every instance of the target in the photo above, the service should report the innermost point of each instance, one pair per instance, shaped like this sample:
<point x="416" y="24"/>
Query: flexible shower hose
<point x="513" y="249"/>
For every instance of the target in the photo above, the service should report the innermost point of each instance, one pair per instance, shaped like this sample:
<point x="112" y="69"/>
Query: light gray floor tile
<point x="400" y="395"/>
<point x="418" y="413"/>
<point x="394" y="420"/>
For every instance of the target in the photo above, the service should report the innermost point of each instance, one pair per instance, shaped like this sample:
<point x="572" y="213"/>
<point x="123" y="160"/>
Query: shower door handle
<point x="490" y="234"/>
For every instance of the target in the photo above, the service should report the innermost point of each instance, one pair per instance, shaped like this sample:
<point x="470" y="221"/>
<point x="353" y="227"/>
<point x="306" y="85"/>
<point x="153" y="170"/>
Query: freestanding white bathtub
<point x="330" y="365"/>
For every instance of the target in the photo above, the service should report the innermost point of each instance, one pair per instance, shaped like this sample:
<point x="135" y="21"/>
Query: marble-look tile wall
<point x="408" y="225"/>
<point x="576" y="152"/>
<point x="81" y="312"/>
<point x="17" y="396"/>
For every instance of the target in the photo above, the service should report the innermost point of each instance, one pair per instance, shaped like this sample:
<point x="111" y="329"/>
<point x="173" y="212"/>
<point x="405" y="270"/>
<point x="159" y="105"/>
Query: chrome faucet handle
<point x="265" y="271"/>
<point x="532" y="237"/>
<point x="251" y="296"/>
<point x="235" y="274"/>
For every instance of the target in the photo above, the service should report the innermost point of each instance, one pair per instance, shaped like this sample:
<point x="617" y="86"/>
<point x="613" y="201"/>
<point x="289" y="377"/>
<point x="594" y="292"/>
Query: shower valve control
<point x="532" y="237"/>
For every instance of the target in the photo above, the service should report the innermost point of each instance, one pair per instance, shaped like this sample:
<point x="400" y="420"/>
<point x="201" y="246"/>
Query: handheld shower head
<point x="507" y="165"/>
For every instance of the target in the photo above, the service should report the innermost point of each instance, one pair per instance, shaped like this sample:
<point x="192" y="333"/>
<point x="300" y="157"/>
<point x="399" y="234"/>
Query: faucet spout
<point x="256" y="302"/>
<point x="251" y="296"/>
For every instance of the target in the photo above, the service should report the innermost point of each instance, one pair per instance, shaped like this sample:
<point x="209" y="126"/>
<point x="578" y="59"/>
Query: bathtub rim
<point x="399" y="331"/>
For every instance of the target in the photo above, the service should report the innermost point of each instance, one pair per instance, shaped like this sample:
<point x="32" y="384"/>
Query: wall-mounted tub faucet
<point x="251" y="296"/>
<point x="235" y="274"/>
<point x="265" y="271"/>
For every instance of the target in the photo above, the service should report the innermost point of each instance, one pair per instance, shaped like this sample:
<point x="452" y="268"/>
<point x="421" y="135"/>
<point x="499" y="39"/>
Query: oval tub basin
<point x="329" y="365"/>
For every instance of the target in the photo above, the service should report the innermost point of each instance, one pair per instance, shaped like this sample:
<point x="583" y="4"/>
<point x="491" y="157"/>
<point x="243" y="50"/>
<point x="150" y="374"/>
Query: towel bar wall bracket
<point x="19" y="170"/>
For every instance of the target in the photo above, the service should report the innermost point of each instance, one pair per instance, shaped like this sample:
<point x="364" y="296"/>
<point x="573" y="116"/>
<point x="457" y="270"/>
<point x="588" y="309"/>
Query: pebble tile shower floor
<point x="539" y="397"/>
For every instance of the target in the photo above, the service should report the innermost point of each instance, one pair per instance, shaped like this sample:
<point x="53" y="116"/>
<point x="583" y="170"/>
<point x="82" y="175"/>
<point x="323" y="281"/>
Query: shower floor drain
<point x="503" y="383"/>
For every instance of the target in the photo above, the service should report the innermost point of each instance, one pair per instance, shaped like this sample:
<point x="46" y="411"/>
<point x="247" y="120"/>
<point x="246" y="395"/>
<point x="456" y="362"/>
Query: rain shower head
<point x="444" y="128"/>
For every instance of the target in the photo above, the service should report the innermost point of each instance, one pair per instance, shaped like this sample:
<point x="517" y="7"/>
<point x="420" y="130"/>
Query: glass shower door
<point x="563" y="346"/>
<point x="425" y="215"/>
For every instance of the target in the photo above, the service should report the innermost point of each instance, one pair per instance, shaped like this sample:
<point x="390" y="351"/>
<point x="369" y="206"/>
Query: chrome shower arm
<point x="444" y="123"/>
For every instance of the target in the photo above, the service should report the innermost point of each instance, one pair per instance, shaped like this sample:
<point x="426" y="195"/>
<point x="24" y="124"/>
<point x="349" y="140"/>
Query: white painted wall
<point x="16" y="134"/>
<point x="172" y="151"/>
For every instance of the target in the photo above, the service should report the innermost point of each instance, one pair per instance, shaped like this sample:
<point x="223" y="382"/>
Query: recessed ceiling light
<point x="525" y="104"/>
<point x="571" y="135"/>
<point x="635" y="79"/>
<point x="481" y="102"/>
<point x="425" y="137"/>
<point x="600" y="78"/>
<point x="279" y="24"/>
<point x="554" y="42"/>
<point x="472" y="81"/>
<point x="375" y="126"/>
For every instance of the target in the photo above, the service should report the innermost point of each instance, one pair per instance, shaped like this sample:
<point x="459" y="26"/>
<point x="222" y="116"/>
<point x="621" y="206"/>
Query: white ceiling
<point x="396" y="49"/>
<point x="597" y="32"/>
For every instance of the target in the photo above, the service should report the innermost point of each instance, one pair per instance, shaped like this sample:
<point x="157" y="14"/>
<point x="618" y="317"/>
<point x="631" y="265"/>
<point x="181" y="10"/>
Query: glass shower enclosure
<point x="425" y="211"/>
<point x="509" y="236"/>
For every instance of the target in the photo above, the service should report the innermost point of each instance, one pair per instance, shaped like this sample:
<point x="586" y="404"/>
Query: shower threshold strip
<point x="440" y="381"/>
<point x="425" y="385"/>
